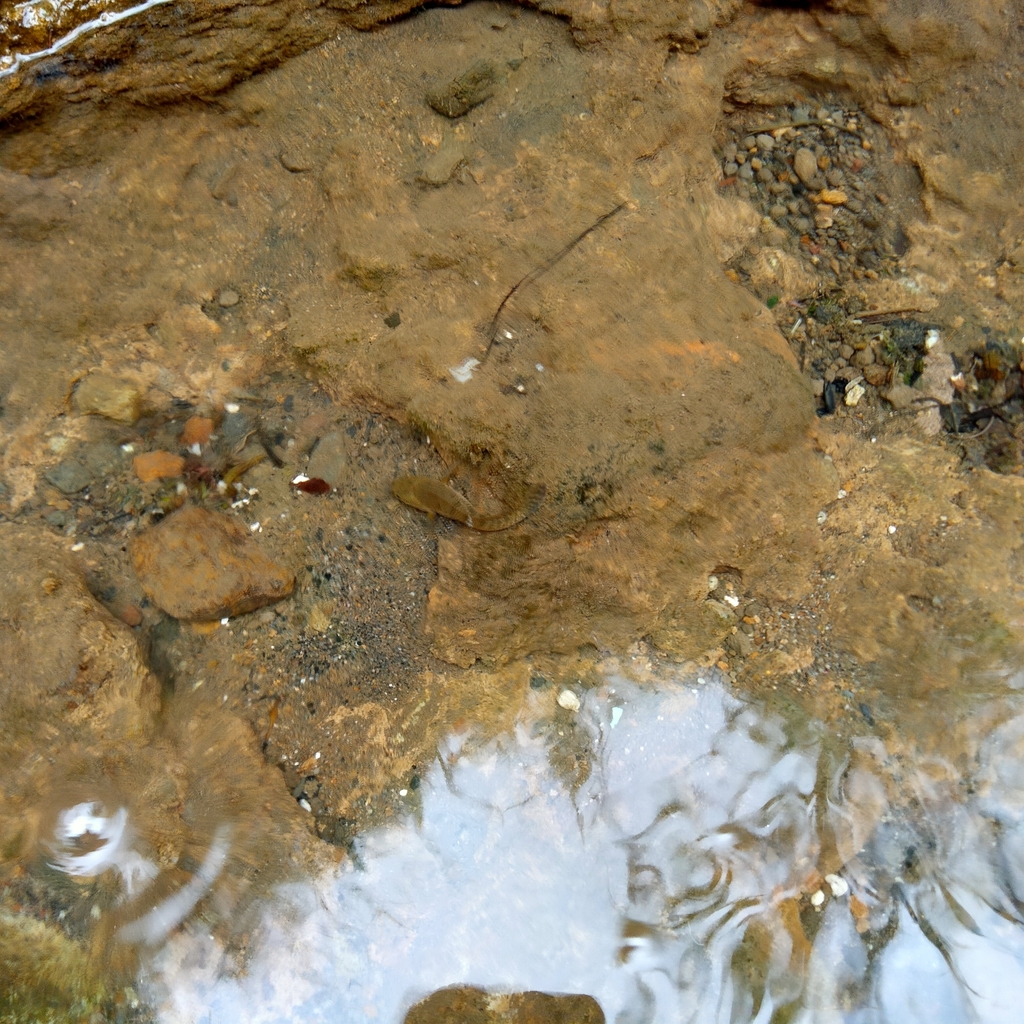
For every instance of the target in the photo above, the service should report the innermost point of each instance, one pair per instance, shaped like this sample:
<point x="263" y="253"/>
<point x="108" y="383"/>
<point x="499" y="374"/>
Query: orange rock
<point x="157" y="465"/>
<point x="199" y="565"/>
<point x="197" y="430"/>
<point x="832" y="196"/>
<point x="130" y="614"/>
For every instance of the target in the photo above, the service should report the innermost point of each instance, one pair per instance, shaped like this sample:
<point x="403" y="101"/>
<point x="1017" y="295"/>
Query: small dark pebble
<point x="414" y="782"/>
<point x="538" y="682"/>
<point x="866" y="712"/>
<point x="832" y="396"/>
<point x="393" y="320"/>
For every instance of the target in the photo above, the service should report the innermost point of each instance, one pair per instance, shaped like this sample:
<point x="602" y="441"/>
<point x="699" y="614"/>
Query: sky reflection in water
<point x="670" y="887"/>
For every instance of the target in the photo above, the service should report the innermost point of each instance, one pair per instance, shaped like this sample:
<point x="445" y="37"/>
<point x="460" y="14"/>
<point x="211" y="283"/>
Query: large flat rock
<point x="200" y="565"/>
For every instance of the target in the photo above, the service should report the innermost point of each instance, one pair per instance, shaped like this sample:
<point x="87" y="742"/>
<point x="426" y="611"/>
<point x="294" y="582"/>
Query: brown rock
<point x="900" y="396"/>
<point x="157" y="465"/>
<point x="806" y="166"/>
<point x="202" y="565"/>
<point x="876" y="374"/>
<point x="197" y="430"/>
<point x="103" y="395"/>
<point x="463" y="1004"/>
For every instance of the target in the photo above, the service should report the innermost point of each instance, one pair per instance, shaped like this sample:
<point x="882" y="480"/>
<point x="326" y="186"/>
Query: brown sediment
<point x="429" y="495"/>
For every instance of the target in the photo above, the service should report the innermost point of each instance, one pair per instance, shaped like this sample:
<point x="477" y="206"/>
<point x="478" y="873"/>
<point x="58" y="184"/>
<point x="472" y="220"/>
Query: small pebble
<point x="569" y="701"/>
<point x="837" y="884"/>
<point x="131" y="615"/>
<point x="805" y="165"/>
<point x="817" y="899"/>
<point x="228" y="298"/>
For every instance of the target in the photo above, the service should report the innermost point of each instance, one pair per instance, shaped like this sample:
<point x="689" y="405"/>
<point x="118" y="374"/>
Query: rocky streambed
<point x="730" y="292"/>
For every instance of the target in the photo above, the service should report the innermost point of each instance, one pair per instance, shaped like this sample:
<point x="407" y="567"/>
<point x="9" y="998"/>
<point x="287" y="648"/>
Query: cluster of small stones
<point x="815" y="177"/>
<point x="858" y="360"/>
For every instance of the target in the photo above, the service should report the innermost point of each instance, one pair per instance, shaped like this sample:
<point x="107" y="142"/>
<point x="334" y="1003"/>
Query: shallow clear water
<point x="676" y="884"/>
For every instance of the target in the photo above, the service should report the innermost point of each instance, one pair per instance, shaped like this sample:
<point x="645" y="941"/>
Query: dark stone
<point x="69" y="477"/>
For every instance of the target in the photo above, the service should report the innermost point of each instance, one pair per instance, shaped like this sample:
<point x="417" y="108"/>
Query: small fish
<point x="240" y="468"/>
<point x="429" y="495"/>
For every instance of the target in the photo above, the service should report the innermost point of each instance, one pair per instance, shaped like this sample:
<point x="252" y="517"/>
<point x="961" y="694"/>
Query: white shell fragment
<point x="817" y="898"/>
<point x="616" y="715"/>
<point x="931" y="339"/>
<point x="464" y="371"/>
<point x="854" y="395"/>
<point x="568" y="700"/>
<point x="837" y="885"/>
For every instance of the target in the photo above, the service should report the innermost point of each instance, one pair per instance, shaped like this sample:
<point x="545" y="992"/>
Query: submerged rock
<point x="201" y="565"/>
<point x="151" y="466"/>
<point x="329" y="461"/>
<point x="464" y="1004"/>
<point x="69" y="476"/>
<point x="101" y="394"/>
<point x="465" y="91"/>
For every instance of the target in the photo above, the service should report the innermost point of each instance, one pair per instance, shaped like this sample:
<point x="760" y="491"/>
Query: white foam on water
<point x="699" y="820"/>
